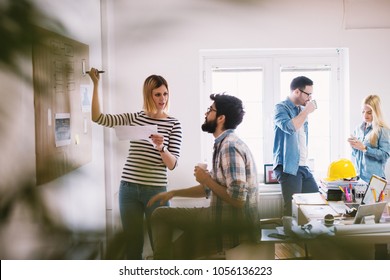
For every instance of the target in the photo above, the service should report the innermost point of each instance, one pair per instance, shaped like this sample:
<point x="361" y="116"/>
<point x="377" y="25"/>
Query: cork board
<point x="62" y="100"/>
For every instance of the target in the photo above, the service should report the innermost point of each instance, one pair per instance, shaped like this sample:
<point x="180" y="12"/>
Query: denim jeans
<point x="133" y="199"/>
<point x="303" y="182"/>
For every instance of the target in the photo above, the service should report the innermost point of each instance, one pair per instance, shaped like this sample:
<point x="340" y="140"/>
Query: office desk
<point x="354" y="245"/>
<point x="272" y="241"/>
<point x="357" y="245"/>
<point x="347" y="247"/>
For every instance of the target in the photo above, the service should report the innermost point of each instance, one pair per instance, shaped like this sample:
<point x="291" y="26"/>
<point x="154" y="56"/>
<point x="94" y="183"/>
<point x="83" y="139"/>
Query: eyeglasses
<point x="210" y="109"/>
<point x="308" y="94"/>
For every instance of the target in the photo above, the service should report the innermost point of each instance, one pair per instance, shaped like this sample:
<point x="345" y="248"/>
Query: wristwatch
<point x="163" y="149"/>
<point x="365" y="149"/>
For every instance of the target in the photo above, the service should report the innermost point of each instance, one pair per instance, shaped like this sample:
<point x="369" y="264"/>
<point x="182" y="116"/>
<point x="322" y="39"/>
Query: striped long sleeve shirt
<point x="144" y="164"/>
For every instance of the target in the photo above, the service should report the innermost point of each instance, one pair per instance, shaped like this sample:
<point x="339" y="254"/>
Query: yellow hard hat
<point x="341" y="169"/>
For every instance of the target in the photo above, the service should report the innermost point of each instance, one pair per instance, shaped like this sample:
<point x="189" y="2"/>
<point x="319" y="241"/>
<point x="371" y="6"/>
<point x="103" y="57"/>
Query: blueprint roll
<point x="340" y="230"/>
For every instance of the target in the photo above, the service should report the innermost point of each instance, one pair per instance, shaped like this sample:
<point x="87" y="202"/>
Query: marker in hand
<point x="100" y="71"/>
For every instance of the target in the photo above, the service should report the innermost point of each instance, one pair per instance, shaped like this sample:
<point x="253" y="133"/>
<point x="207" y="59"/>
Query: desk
<point x="365" y="244"/>
<point x="357" y="245"/>
<point x="348" y="247"/>
<point x="271" y="241"/>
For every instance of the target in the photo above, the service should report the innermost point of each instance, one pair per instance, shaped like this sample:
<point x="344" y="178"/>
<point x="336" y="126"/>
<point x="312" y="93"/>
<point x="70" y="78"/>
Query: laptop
<point x="375" y="209"/>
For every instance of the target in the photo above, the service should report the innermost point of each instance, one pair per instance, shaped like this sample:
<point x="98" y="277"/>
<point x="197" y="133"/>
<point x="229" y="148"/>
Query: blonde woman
<point x="145" y="170"/>
<point x="370" y="141"/>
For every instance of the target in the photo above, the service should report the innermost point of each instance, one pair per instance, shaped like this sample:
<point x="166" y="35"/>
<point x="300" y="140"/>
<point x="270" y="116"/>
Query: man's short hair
<point x="300" y="82"/>
<point x="229" y="106"/>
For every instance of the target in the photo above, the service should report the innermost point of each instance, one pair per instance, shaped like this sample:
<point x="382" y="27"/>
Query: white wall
<point x="165" y="37"/>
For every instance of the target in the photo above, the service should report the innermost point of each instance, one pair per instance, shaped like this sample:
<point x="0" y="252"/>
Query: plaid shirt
<point x="234" y="167"/>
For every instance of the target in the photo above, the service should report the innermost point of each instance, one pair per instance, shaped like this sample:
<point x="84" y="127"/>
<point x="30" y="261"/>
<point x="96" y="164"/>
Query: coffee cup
<point x="202" y="165"/>
<point x="329" y="220"/>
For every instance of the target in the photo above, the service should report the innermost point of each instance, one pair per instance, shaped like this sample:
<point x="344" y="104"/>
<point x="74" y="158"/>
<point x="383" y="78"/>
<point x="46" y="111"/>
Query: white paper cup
<point x="202" y="165"/>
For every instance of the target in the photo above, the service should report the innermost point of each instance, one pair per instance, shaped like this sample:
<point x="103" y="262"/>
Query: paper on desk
<point x="361" y="229"/>
<point x="338" y="206"/>
<point x="309" y="198"/>
<point x="127" y="132"/>
<point x="315" y="212"/>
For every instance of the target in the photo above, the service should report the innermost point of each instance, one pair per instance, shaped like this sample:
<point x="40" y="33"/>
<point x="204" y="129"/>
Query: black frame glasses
<point x="308" y="94"/>
<point x="210" y="109"/>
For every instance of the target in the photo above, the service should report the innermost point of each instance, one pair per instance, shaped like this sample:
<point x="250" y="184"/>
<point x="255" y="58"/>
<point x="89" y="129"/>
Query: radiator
<point x="270" y="205"/>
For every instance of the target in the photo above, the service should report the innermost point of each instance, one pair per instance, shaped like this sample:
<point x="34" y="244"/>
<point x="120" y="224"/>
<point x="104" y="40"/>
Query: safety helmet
<point x="341" y="169"/>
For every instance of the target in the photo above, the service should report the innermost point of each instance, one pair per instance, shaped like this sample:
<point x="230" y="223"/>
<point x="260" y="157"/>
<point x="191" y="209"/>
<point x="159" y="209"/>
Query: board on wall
<point x="62" y="100"/>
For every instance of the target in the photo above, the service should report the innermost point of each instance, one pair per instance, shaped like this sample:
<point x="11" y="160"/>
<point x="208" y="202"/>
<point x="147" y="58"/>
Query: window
<point x="261" y="78"/>
<point x="246" y="84"/>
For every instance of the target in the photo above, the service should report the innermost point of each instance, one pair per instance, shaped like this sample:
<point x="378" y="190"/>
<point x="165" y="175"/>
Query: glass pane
<point x="246" y="84"/>
<point x="319" y="128"/>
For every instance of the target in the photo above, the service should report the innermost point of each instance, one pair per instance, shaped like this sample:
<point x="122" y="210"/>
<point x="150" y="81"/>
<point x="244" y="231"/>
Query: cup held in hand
<point x="202" y="165"/>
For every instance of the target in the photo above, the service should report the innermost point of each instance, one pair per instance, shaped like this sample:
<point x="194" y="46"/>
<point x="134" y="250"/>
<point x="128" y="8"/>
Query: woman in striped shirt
<point x="145" y="171"/>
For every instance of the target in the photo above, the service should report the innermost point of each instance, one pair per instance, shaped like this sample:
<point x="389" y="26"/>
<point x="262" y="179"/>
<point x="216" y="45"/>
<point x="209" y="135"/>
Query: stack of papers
<point x="309" y="198"/>
<point x="315" y="212"/>
<point x="337" y="183"/>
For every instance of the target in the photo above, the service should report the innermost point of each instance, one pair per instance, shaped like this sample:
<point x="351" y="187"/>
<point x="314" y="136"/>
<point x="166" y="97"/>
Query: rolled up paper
<point x="361" y="229"/>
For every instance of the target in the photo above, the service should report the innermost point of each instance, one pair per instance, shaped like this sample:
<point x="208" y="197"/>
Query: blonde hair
<point x="374" y="102"/>
<point x="152" y="82"/>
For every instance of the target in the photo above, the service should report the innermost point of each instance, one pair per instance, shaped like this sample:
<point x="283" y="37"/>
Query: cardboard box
<point x="297" y="213"/>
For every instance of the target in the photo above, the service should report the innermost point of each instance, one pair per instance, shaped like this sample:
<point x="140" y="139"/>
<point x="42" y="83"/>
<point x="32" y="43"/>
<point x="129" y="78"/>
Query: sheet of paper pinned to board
<point x="127" y="132"/>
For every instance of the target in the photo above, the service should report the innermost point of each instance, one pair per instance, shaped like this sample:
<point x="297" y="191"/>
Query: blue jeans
<point x="133" y="199"/>
<point x="303" y="182"/>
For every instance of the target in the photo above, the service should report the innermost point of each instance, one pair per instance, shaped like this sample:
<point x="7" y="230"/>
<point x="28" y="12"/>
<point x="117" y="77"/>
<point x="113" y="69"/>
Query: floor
<point x="282" y="250"/>
<point x="289" y="251"/>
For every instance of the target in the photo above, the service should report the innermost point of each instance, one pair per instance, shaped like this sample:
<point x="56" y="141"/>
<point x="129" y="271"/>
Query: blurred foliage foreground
<point x="28" y="230"/>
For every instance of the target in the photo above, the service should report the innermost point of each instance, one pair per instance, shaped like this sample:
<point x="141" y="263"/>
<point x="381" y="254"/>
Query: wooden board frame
<point x="60" y="86"/>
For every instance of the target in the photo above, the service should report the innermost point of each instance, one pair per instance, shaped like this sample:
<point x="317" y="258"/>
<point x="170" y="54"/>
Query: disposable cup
<point x="202" y="165"/>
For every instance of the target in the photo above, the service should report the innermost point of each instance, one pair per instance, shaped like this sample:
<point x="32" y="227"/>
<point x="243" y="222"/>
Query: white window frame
<point x="271" y="60"/>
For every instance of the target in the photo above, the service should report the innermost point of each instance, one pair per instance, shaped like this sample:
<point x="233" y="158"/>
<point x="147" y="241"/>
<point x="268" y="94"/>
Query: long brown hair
<point x="374" y="102"/>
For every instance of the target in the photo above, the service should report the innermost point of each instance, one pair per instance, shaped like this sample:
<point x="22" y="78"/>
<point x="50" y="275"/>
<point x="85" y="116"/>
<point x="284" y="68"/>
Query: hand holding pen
<point x="95" y="75"/>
